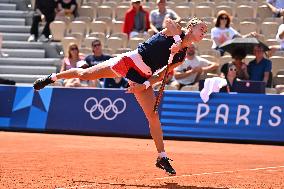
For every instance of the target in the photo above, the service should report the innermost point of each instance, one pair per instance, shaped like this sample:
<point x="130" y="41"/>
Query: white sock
<point x="162" y="154"/>
<point x="53" y="77"/>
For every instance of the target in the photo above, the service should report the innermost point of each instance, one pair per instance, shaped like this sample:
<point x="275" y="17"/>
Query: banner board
<point x="256" y="117"/>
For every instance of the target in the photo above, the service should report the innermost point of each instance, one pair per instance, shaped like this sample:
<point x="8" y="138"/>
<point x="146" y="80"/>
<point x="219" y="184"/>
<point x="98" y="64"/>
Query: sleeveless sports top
<point x="155" y="51"/>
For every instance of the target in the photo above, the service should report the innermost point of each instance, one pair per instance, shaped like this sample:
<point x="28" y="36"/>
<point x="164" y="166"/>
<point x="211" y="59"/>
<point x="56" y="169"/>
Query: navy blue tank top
<point x="155" y="51"/>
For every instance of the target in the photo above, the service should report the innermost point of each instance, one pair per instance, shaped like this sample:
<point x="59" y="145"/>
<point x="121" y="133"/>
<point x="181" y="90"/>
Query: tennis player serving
<point x="143" y="67"/>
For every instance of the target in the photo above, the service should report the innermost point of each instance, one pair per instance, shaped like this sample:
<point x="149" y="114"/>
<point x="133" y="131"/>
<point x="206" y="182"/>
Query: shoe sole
<point x="161" y="167"/>
<point x="170" y="174"/>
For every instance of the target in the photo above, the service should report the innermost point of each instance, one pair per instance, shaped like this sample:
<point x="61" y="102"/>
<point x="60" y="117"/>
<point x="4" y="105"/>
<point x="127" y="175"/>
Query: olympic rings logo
<point x="104" y="108"/>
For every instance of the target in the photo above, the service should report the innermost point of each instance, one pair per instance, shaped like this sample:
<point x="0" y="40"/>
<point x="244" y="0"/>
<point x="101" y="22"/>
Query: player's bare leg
<point x="102" y="70"/>
<point x="146" y="99"/>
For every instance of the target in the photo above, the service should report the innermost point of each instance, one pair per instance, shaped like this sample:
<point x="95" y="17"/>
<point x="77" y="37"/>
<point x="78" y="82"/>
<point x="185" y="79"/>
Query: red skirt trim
<point x="124" y="64"/>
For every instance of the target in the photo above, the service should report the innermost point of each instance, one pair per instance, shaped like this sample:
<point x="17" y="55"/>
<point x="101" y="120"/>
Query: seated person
<point x="229" y="72"/>
<point x="136" y="20"/>
<point x="280" y="36"/>
<point x="66" y="9"/>
<point x="239" y="55"/>
<point x="157" y="16"/>
<point x="223" y="32"/>
<point x="259" y="69"/>
<point x="98" y="56"/>
<point x="189" y="71"/>
<point x="73" y="60"/>
<point x="280" y="39"/>
<point x="118" y="82"/>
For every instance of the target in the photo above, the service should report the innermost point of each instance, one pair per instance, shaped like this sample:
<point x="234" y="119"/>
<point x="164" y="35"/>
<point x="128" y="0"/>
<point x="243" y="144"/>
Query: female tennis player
<point x="143" y="67"/>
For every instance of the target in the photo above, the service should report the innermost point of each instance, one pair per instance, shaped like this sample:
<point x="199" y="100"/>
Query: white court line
<point x="180" y="176"/>
<point x="82" y="186"/>
<point x="87" y="185"/>
<point x="219" y="172"/>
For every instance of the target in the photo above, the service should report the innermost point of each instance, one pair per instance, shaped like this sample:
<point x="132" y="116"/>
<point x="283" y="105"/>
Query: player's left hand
<point x="136" y="88"/>
<point x="173" y="27"/>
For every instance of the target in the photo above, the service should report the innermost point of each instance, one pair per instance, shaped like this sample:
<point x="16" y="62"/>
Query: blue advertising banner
<point x="108" y="111"/>
<point x="225" y="116"/>
<point x="21" y="107"/>
<point x="7" y="95"/>
<point x="255" y="117"/>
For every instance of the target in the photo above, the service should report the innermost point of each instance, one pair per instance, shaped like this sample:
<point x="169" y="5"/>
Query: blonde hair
<point x="194" y="22"/>
<point x="69" y="49"/>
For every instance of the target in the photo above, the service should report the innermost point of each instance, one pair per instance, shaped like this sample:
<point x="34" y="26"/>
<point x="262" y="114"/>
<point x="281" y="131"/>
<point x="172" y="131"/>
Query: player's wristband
<point x="147" y="84"/>
<point x="177" y="38"/>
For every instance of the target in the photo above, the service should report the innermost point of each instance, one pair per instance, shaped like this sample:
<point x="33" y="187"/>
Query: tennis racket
<point x="161" y="90"/>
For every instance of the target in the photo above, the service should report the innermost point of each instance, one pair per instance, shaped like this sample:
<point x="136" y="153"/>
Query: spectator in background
<point x="2" y="54"/>
<point x="136" y="20"/>
<point x="280" y="36"/>
<point x="280" y="39"/>
<point x="276" y="6"/>
<point x="118" y="82"/>
<point x="66" y="9"/>
<point x="189" y="71"/>
<point x="223" y="32"/>
<point x="158" y="16"/>
<point x="73" y="61"/>
<point x="44" y="10"/>
<point x="97" y="57"/>
<point x="229" y="72"/>
<point x="238" y="56"/>
<point x="259" y="69"/>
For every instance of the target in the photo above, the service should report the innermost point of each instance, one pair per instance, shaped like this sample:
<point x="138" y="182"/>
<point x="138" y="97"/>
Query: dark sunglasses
<point x="233" y="69"/>
<point x="223" y="18"/>
<point x="73" y="48"/>
<point x="96" y="45"/>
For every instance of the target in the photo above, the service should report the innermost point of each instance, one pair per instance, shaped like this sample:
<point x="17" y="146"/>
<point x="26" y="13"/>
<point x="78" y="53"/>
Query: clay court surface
<point x="31" y="160"/>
